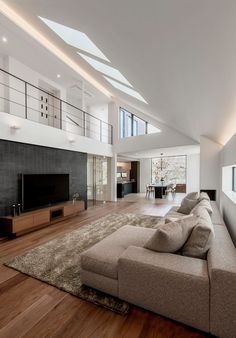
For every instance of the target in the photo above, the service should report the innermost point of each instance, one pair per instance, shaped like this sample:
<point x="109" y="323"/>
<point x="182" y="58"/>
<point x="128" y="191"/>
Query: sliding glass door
<point x="97" y="178"/>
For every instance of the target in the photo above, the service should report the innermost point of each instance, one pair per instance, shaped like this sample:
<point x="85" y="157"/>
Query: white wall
<point x="145" y="173"/>
<point x="193" y="172"/>
<point x="210" y="173"/>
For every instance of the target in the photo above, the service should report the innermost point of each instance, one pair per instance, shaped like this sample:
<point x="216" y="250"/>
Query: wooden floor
<point x="31" y="308"/>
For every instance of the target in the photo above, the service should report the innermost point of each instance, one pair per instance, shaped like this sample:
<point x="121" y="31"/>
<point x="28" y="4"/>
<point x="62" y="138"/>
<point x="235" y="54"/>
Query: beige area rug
<point x="58" y="262"/>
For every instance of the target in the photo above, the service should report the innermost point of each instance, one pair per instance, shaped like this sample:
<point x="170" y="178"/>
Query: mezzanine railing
<point x="25" y="100"/>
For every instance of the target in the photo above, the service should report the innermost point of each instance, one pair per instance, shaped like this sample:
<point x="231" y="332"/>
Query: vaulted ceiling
<point x="179" y="55"/>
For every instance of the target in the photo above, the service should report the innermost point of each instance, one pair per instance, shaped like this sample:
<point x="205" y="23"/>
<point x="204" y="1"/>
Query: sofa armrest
<point x="171" y="285"/>
<point x="222" y="271"/>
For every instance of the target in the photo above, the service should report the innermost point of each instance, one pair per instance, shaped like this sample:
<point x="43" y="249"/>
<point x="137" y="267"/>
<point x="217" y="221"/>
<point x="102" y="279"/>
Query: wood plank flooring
<point x="30" y="308"/>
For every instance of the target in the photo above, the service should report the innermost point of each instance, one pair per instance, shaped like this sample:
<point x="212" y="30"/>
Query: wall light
<point x="15" y="127"/>
<point x="4" y="39"/>
<point x="58" y="76"/>
<point x="71" y="140"/>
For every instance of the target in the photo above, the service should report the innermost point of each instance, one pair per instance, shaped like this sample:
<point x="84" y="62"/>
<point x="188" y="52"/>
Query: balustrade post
<point x="26" y="108"/>
<point x="101" y="130"/>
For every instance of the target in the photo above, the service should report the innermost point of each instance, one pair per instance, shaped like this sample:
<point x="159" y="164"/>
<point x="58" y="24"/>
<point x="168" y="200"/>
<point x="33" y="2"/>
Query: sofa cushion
<point x="201" y="237"/>
<point x="171" y="237"/>
<point x="205" y="204"/>
<point x="187" y="205"/>
<point x="173" y="213"/>
<point x="204" y="196"/>
<point x="102" y="258"/>
<point x="175" y="219"/>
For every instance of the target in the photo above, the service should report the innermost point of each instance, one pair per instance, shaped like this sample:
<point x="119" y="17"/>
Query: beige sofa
<point x="200" y="293"/>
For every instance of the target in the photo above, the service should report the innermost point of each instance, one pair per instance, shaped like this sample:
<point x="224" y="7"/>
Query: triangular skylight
<point x="74" y="38"/>
<point x="125" y="89"/>
<point x="105" y="69"/>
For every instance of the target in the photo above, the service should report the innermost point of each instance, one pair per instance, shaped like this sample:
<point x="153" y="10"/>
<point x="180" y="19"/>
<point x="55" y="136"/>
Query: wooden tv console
<point x="32" y="220"/>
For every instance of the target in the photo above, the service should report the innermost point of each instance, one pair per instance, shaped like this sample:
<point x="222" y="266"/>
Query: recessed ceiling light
<point x="58" y="76"/>
<point x="4" y="39"/>
<point x="74" y="38"/>
<point x="125" y="89"/>
<point x="105" y="69"/>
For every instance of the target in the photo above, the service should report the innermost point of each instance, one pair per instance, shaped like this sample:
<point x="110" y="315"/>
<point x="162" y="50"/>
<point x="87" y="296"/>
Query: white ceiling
<point x="28" y="51"/>
<point x="179" y="55"/>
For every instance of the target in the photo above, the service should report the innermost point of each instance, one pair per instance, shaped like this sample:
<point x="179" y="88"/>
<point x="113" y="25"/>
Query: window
<point x="74" y="38"/>
<point x="105" y="69"/>
<point x="170" y="169"/>
<point x="131" y="125"/>
<point x="234" y="179"/>
<point x="125" y="124"/>
<point x="139" y="126"/>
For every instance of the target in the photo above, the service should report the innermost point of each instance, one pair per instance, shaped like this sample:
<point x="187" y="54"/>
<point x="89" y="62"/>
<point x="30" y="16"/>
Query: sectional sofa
<point x="197" y="292"/>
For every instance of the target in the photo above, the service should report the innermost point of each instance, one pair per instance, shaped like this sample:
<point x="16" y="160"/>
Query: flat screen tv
<point x="38" y="190"/>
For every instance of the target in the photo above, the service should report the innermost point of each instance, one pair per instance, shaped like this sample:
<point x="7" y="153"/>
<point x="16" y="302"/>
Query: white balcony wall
<point x="26" y="131"/>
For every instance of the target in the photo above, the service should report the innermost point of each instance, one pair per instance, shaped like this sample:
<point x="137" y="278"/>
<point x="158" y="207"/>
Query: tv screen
<point x="40" y="190"/>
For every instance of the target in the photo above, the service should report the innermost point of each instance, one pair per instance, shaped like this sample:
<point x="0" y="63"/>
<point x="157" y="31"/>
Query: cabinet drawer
<point x="69" y="210"/>
<point x="42" y="218"/>
<point x="79" y="206"/>
<point x="22" y="223"/>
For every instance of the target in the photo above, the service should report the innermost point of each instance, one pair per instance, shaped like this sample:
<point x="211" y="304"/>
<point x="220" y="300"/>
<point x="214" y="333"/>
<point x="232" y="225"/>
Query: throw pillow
<point x="171" y="236"/>
<point x="201" y="237"/>
<point x="192" y="196"/>
<point x="187" y="205"/>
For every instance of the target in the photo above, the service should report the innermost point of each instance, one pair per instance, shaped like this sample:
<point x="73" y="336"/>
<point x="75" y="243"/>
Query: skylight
<point x="74" y="38"/>
<point x="125" y="89"/>
<point x="105" y="69"/>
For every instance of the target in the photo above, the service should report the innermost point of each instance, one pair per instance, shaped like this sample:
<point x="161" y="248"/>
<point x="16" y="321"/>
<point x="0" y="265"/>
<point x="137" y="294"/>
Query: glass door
<point x="97" y="179"/>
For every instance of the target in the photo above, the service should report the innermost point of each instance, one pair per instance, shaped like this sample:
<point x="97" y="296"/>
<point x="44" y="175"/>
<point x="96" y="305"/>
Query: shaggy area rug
<point x="58" y="262"/>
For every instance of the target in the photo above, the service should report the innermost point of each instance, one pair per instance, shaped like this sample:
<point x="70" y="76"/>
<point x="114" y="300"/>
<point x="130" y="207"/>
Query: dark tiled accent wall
<point x="17" y="158"/>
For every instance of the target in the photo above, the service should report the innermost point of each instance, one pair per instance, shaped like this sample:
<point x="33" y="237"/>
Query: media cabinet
<point x="32" y="220"/>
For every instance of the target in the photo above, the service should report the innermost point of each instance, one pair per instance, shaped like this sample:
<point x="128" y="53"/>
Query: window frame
<point x="122" y="128"/>
<point x="234" y="179"/>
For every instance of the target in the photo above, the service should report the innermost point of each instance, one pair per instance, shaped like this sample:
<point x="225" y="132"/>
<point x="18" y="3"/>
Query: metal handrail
<point x="85" y="114"/>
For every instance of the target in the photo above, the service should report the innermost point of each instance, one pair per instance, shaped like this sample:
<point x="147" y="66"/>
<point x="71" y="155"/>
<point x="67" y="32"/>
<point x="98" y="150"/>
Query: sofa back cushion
<point x="204" y="203"/>
<point x="171" y="237"/>
<point x="204" y="196"/>
<point x="202" y="235"/>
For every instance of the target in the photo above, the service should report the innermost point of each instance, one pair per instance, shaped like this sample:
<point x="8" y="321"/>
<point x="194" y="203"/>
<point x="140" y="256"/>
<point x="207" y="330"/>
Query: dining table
<point x="160" y="189"/>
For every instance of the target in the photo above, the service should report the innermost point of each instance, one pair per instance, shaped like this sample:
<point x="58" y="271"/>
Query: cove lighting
<point x="57" y="52"/>
<point x="125" y="89"/>
<point x="105" y="69"/>
<point x="74" y="38"/>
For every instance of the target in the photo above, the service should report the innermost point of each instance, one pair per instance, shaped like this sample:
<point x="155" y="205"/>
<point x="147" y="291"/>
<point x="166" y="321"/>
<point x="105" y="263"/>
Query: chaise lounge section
<point x="197" y="292"/>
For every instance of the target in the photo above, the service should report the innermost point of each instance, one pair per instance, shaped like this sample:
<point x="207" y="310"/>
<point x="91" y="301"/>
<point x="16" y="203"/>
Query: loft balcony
<point x="27" y="101"/>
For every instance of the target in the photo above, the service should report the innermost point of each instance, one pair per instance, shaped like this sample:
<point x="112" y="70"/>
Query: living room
<point x="118" y="169"/>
